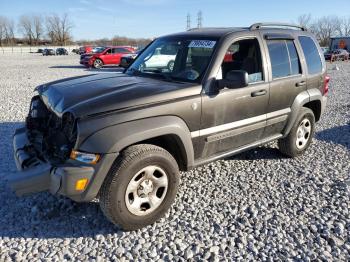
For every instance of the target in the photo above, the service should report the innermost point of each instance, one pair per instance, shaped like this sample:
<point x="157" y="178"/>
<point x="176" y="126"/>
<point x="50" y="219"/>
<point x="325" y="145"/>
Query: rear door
<point x="287" y="79"/>
<point x="107" y="57"/>
<point x="117" y="54"/>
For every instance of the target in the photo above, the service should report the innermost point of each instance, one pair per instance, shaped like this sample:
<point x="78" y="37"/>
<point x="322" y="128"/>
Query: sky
<point x="93" y="19"/>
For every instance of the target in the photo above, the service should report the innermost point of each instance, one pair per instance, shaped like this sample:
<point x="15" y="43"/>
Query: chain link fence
<point x="31" y="49"/>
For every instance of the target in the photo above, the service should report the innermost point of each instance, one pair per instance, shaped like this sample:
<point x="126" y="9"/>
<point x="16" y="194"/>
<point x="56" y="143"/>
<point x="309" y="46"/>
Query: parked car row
<point x="50" y="51"/>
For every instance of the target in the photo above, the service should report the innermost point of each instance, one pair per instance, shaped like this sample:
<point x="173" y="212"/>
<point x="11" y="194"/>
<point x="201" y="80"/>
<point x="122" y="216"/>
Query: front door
<point x="233" y="118"/>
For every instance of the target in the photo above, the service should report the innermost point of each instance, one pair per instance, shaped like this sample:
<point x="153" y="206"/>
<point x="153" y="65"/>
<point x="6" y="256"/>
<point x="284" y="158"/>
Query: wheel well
<point x="315" y="106"/>
<point x="173" y="145"/>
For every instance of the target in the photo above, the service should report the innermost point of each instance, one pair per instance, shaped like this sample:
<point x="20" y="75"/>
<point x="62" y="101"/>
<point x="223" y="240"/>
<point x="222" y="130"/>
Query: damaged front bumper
<point x="36" y="175"/>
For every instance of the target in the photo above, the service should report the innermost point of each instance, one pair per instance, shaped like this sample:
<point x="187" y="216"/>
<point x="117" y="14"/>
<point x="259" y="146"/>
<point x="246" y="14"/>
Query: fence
<point x="30" y="49"/>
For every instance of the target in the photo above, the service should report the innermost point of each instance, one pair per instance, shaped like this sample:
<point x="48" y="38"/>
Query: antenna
<point x="199" y="19"/>
<point x="188" y="26"/>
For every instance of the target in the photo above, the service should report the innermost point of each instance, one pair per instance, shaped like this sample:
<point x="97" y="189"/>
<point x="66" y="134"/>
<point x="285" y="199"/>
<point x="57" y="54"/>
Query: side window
<point x="313" y="59"/>
<point x="244" y="55"/>
<point x="109" y="51"/>
<point x="284" y="58"/>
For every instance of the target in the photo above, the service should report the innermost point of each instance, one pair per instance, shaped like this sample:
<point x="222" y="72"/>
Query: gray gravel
<point x="255" y="206"/>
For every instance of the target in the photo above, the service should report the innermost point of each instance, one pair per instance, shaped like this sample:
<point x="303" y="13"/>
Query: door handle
<point x="258" y="93"/>
<point x="302" y="83"/>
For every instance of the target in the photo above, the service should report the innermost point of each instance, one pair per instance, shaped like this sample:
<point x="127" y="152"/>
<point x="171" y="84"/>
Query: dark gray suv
<point x="123" y="138"/>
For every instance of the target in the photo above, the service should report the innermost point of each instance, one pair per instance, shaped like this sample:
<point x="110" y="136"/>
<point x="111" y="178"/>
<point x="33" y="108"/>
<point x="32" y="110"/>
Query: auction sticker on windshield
<point x="202" y="43"/>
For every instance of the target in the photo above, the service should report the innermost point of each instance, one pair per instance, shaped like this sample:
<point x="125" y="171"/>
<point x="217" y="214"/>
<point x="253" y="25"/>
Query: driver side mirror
<point x="234" y="79"/>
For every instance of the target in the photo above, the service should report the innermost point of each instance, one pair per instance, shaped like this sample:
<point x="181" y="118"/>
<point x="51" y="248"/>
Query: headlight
<point x="88" y="158"/>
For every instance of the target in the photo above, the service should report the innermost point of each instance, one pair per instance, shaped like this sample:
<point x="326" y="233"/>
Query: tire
<point x="126" y="175"/>
<point x="98" y="63"/>
<point x="170" y="65"/>
<point x="300" y="136"/>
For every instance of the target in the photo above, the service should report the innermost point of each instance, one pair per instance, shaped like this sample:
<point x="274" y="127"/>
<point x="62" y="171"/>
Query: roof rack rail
<point x="258" y="26"/>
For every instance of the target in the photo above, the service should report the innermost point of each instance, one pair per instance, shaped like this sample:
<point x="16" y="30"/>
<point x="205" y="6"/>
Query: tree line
<point x="36" y="29"/>
<point x="326" y="27"/>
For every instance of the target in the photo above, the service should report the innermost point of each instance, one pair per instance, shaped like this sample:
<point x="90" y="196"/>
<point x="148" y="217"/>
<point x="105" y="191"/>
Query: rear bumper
<point x="35" y="175"/>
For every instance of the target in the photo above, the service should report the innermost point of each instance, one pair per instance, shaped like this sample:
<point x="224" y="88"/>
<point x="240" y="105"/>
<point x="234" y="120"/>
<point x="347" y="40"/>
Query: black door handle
<point x="302" y="83"/>
<point x="258" y="93"/>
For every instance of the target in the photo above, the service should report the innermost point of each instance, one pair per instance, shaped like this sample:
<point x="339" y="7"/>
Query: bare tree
<point x="38" y="28"/>
<point x="59" y="28"/>
<point x="9" y="31"/>
<point x="25" y="26"/>
<point x="305" y="20"/>
<point x="7" y="28"/>
<point x="31" y="26"/>
<point x="344" y="29"/>
<point x="324" y="28"/>
<point x="2" y="29"/>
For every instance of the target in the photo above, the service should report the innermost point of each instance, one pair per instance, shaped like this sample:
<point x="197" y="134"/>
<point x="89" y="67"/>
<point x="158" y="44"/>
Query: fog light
<point x="85" y="157"/>
<point x="81" y="184"/>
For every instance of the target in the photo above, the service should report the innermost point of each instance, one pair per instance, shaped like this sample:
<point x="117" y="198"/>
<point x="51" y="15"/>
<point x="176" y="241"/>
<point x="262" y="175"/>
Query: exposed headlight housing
<point x="88" y="158"/>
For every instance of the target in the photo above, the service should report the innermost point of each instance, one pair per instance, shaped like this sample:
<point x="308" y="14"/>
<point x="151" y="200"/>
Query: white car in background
<point x="159" y="60"/>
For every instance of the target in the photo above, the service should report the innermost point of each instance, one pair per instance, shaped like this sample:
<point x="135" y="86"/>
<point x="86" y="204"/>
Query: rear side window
<point x="312" y="56"/>
<point x="284" y="58"/>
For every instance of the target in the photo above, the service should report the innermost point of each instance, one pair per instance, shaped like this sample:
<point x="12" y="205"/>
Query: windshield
<point x="181" y="59"/>
<point x="340" y="43"/>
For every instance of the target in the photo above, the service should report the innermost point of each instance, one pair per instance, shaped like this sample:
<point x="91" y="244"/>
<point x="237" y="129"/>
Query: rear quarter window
<point x="312" y="56"/>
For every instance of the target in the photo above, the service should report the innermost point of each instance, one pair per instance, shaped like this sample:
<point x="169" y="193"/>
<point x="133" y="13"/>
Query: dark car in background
<point x="40" y="51"/>
<point x="48" y="51"/>
<point x="127" y="59"/>
<point x="61" y="51"/>
<point x="108" y="56"/>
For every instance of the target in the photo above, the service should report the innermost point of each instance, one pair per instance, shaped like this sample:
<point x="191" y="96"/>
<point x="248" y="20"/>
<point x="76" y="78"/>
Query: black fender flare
<point x="300" y="100"/>
<point x="114" y="139"/>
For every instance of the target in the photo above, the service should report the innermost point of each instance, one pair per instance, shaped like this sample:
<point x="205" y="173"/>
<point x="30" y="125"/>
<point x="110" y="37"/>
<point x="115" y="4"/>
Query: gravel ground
<point x="255" y="206"/>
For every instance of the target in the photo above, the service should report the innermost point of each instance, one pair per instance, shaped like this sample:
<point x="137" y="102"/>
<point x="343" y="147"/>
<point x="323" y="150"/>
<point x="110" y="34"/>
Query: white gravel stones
<point x="255" y="206"/>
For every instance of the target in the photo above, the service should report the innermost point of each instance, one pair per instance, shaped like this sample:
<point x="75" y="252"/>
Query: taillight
<point x="325" y="85"/>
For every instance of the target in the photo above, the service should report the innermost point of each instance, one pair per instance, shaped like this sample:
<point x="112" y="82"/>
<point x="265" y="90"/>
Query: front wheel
<point x="140" y="187"/>
<point x="300" y="136"/>
<point x="98" y="63"/>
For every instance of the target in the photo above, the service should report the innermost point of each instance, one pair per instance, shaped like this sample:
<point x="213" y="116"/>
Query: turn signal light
<point x="80" y="185"/>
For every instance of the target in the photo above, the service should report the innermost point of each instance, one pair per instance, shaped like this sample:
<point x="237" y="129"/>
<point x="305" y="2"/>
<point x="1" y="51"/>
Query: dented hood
<point x="93" y="94"/>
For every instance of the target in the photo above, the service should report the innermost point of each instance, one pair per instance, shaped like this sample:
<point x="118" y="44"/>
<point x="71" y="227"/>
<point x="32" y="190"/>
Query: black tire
<point x="288" y="145"/>
<point x="113" y="191"/>
<point x="98" y="63"/>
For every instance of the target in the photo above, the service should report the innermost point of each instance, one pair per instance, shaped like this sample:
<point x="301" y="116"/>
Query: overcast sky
<point x="149" y="18"/>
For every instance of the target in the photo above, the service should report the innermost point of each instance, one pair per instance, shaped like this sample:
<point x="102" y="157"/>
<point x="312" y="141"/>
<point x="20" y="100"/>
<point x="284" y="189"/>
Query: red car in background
<point x="106" y="56"/>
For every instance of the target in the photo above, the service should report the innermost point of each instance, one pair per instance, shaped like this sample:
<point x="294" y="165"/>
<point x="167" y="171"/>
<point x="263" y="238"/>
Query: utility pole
<point x="199" y="19"/>
<point x="188" y="25"/>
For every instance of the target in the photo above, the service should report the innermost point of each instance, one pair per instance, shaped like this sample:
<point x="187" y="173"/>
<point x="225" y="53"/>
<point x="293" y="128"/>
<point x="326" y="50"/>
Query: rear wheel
<point x="300" y="136"/>
<point x="140" y="187"/>
<point x="98" y="63"/>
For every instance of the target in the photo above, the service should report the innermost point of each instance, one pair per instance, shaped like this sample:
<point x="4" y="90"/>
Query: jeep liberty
<point x="124" y="138"/>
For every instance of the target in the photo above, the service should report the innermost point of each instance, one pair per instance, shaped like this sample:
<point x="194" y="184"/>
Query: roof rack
<point x="258" y="26"/>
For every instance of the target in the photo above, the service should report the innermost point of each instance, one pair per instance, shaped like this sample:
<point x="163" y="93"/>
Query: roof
<point x="215" y="32"/>
<point x="218" y="32"/>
